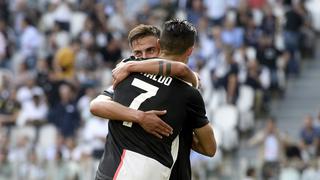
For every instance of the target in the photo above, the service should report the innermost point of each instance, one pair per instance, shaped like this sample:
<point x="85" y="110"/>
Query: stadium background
<point x="56" y="55"/>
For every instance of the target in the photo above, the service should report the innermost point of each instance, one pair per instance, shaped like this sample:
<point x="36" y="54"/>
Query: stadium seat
<point x="47" y="136"/>
<point x="226" y="117"/>
<point x="245" y="104"/>
<point x="77" y="23"/>
<point x="226" y="120"/>
<point x="218" y="98"/>
<point x="20" y="132"/>
<point x="246" y="98"/>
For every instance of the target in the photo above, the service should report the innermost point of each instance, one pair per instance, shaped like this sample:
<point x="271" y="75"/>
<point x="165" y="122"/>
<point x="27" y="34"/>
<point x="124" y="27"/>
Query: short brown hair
<point x="142" y="31"/>
<point x="177" y="36"/>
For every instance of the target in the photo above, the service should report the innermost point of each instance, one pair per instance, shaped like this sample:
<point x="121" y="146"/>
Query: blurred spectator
<point x="308" y="33"/>
<point x="206" y="42"/>
<point x="65" y="115"/>
<point x="9" y="109"/>
<point x="217" y="48"/>
<point x="43" y="74"/>
<point x="272" y="142"/>
<point x="29" y="42"/>
<point x="22" y="74"/>
<point x="165" y="9"/>
<point x="269" y="21"/>
<point x="25" y="92"/>
<point x="292" y="35"/>
<point x="33" y="112"/>
<point x="250" y="174"/>
<point x="308" y="138"/>
<point x="84" y="100"/>
<point x="268" y="56"/>
<point x="64" y="62"/>
<point x="227" y="75"/>
<point x="216" y="11"/>
<point x="118" y="19"/>
<point x="94" y="134"/>
<point x="252" y="32"/>
<point x="95" y="129"/>
<point x="6" y="168"/>
<point x="143" y="16"/>
<point x="195" y="12"/>
<point x="87" y="34"/>
<point x="59" y="36"/>
<point x="4" y="10"/>
<point x="258" y="78"/>
<point x="87" y="64"/>
<point x="111" y="53"/>
<point x="62" y="14"/>
<point x="232" y="35"/>
<point x="242" y="14"/>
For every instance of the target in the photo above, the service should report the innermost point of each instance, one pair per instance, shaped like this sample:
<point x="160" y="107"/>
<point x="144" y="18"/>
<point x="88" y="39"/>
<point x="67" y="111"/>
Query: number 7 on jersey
<point x="151" y="91"/>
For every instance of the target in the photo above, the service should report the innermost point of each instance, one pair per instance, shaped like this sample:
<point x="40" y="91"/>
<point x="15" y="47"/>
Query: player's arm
<point x="155" y="66"/>
<point x="104" y="107"/>
<point x="204" y="141"/>
<point x="203" y="136"/>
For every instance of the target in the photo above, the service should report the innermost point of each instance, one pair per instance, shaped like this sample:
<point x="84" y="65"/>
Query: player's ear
<point x="158" y="45"/>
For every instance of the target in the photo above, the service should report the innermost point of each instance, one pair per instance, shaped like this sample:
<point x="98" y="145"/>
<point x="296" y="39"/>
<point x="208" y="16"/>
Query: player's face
<point x="145" y="47"/>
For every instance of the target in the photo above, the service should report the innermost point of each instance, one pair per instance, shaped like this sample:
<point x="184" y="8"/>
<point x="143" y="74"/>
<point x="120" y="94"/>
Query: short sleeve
<point x="109" y="92"/>
<point x="196" y="110"/>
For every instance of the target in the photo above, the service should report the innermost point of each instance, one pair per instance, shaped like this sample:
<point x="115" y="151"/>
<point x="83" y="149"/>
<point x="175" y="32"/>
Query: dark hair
<point x="28" y="20"/>
<point x="177" y="36"/>
<point x="142" y="31"/>
<point x="250" y="172"/>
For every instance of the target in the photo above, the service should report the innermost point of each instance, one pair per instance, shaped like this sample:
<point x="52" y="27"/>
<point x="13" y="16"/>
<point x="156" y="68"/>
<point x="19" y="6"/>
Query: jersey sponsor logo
<point x="166" y="80"/>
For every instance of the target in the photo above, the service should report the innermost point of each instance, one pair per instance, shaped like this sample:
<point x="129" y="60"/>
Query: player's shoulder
<point x="192" y="92"/>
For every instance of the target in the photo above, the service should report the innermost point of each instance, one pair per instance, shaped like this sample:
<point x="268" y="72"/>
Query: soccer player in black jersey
<point x="143" y="155"/>
<point x="143" y="42"/>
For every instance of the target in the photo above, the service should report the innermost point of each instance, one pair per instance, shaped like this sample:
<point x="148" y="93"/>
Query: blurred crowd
<point x="57" y="55"/>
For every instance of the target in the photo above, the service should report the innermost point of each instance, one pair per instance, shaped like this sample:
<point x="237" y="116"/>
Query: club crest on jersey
<point x="166" y="80"/>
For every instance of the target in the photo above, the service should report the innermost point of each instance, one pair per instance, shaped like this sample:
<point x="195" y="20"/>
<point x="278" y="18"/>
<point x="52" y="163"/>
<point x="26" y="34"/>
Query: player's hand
<point x="152" y="123"/>
<point x="119" y="73"/>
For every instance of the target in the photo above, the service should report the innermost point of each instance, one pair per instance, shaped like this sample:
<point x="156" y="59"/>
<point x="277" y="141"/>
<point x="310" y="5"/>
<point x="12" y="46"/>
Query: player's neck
<point x="173" y="57"/>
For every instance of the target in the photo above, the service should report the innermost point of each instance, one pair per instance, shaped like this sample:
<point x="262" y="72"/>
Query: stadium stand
<point x="56" y="55"/>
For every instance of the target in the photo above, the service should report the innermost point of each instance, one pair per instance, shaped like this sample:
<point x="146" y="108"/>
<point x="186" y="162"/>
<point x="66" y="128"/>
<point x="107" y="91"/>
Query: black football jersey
<point x="131" y="152"/>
